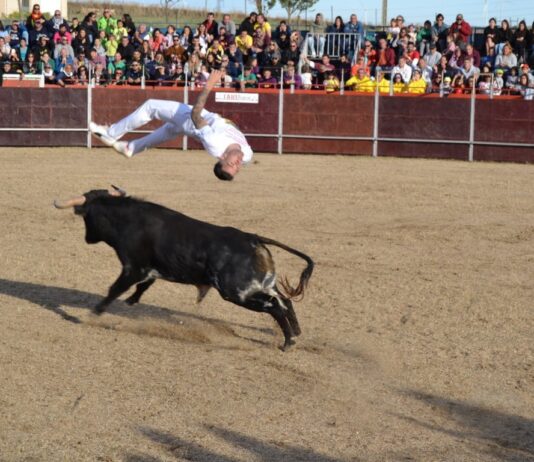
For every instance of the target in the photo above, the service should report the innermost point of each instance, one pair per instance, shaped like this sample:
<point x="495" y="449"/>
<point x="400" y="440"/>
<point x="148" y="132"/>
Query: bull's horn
<point x="121" y="191"/>
<point x="69" y="203"/>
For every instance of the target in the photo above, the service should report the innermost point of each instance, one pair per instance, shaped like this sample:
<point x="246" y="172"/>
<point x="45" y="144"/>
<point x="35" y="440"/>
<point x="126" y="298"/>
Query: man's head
<point x="229" y="163"/>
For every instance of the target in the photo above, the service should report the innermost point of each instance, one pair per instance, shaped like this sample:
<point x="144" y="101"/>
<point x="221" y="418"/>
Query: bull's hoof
<point x="287" y="345"/>
<point x="98" y="310"/>
<point x="131" y="300"/>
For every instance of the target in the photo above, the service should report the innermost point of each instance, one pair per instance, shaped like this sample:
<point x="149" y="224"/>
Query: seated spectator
<point x="484" y="85"/>
<point x="156" y="44"/>
<point x="276" y="66"/>
<point x="204" y="39"/>
<point x="417" y="85"/>
<point x="63" y="45"/>
<point x="82" y="75"/>
<point x="439" y="33"/>
<point x="126" y="49"/>
<point x="267" y="80"/>
<point x="404" y="70"/>
<point x="63" y="59"/>
<point x="525" y="69"/>
<point x="244" y="42"/>
<point x="23" y="50"/>
<point x="168" y="38"/>
<point x="66" y="76"/>
<point x="43" y="46"/>
<point x="14" y="34"/>
<point x="468" y="70"/>
<point x="412" y="34"/>
<point x="385" y="56"/>
<point x="490" y="38"/>
<point x="361" y="82"/>
<point x="433" y="56"/>
<point x="89" y="24"/>
<point x="44" y="60"/>
<point x="134" y="75"/>
<point x="498" y="82"/>
<point x="324" y="68"/>
<point x="383" y="83"/>
<point x="111" y="45"/>
<point x="360" y="64"/>
<point x="331" y="83"/>
<point x="186" y="39"/>
<point x="283" y="41"/>
<point x="424" y="38"/>
<point x="344" y="68"/>
<point x="398" y="84"/>
<point x="316" y="38"/>
<point x="8" y="69"/>
<point x="504" y="36"/>
<point x="145" y="53"/>
<point x="176" y="75"/>
<point x="235" y="61"/>
<point x="118" y="77"/>
<point x="512" y="79"/>
<point x="446" y="88"/>
<point x="259" y="42"/>
<point x="80" y="59"/>
<point x="473" y="54"/>
<point x="456" y="61"/>
<point x="56" y="23"/>
<point x="152" y="65"/>
<point x="100" y="75"/>
<point x="34" y="18"/>
<point x="62" y="34"/>
<point x="224" y="38"/>
<point x="128" y="24"/>
<point x="100" y="50"/>
<point x="368" y="53"/>
<point x="192" y="66"/>
<point x="411" y="55"/>
<point x="462" y="28"/>
<point x="521" y="41"/>
<point x="49" y="74"/>
<point x="507" y="59"/>
<point x="292" y="54"/>
<point x="95" y="59"/>
<point x="306" y="77"/>
<point x="291" y="78"/>
<point x="226" y="80"/>
<point x="248" y="79"/>
<point x="176" y="50"/>
<point x="81" y="41"/>
<point x="5" y="49"/>
<point x="16" y="63"/>
<point x="228" y="25"/>
<point x="525" y="89"/>
<point x="30" y="66"/>
<point x="159" y="76"/>
<point x="75" y="27"/>
<point x="427" y="73"/>
<point x="141" y="34"/>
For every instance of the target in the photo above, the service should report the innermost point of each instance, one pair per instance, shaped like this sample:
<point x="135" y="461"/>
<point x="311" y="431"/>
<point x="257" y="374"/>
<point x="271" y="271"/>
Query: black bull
<point x="154" y="242"/>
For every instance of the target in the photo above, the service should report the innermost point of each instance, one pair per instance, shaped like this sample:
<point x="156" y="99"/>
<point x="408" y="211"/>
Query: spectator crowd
<point x="403" y="58"/>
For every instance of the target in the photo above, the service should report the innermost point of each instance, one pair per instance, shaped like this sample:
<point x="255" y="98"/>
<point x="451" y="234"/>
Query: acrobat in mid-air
<point x="220" y="137"/>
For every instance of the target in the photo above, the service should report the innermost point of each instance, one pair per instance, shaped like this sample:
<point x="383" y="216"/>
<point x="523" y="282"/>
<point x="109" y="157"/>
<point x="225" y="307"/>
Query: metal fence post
<point x="472" y="124"/>
<point x="281" y="113"/>
<point x="89" y="109"/>
<point x="186" y="101"/>
<point x="375" y="116"/>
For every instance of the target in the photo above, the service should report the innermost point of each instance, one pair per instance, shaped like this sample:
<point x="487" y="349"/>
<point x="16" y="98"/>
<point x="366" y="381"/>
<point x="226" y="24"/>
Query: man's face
<point x="231" y="161"/>
<point x="353" y="19"/>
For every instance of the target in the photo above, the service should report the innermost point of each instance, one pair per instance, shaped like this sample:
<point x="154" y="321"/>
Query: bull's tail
<point x="288" y="290"/>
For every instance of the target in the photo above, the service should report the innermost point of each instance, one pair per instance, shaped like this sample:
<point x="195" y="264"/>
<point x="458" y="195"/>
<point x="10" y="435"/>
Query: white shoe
<point x="101" y="132"/>
<point x="122" y="148"/>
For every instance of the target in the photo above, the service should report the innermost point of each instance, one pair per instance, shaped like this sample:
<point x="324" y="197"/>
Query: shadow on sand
<point x="53" y="298"/>
<point x="259" y="450"/>
<point x="504" y="436"/>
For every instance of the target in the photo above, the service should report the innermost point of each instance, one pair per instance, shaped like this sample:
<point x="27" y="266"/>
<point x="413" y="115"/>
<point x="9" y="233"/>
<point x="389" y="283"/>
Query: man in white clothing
<point x="220" y="137"/>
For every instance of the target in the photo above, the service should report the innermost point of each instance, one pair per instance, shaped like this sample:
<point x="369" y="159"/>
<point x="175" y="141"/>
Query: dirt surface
<point x="418" y="327"/>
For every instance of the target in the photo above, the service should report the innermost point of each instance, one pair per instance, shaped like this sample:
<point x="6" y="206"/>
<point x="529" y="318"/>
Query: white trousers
<point x="177" y="118"/>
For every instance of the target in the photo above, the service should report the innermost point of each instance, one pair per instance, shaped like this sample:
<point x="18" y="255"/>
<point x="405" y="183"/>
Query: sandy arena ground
<point x="418" y="326"/>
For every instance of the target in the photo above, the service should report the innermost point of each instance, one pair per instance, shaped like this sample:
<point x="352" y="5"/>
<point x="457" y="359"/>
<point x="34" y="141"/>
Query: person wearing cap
<point x="220" y="137"/>
<point x="462" y="28"/>
<point x="445" y="87"/>
<point x="433" y="56"/>
<point x="498" y="82"/>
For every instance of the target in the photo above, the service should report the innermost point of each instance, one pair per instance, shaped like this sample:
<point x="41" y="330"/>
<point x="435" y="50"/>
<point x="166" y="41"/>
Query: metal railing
<point x="332" y="44"/>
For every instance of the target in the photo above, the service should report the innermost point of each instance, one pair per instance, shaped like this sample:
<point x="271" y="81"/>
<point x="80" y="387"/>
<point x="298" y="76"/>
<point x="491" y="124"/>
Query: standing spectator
<point x="212" y="28"/>
<point x="491" y="37"/>
<point x="316" y="39"/>
<point x="354" y="26"/>
<point x="333" y="43"/>
<point x="385" y="56"/>
<point x="56" y="22"/>
<point x="261" y="23"/>
<point x="462" y="28"/>
<point x="228" y="24"/>
<point x="505" y="36"/>
<point x="248" y="24"/>
<point x="128" y="24"/>
<point x="403" y="69"/>
<point x="424" y="38"/>
<point x="107" y="22"/>
<point x="521" y="39"/>
<point x="89" y="24"/>
<point x="34" y="17"/>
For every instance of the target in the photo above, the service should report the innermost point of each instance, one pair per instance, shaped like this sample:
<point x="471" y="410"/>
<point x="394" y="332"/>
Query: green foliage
<point x="295" y="7"/>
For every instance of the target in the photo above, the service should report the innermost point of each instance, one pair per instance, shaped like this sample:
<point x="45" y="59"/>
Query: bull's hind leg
<point x="261" y="301"/>
<point x="291" y="316"/>
<point x="127" y="279"/>
<point x="139" y="290"/>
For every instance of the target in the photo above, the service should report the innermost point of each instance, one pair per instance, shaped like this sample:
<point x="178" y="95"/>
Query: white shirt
<point x="219" y="134"/>
<point x="405" y="71"/>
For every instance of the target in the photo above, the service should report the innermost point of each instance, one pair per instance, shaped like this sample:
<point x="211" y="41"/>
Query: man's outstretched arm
<point x="197" y="119"/>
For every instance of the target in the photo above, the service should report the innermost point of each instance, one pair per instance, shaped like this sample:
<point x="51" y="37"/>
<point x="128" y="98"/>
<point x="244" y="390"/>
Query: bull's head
<point x="80" y="202"/>
<point x="90" y="206"/>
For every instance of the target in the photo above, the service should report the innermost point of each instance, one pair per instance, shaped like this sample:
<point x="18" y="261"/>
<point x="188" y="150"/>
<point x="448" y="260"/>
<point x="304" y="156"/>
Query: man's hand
<point x="198" y="121"/>
<point x="213" y="79"/>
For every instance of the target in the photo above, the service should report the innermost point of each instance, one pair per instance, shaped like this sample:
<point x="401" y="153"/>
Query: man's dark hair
<point x="220" y="173"/>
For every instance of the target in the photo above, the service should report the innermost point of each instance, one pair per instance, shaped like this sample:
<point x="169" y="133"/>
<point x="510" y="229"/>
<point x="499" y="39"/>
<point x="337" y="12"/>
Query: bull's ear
<point x="119" y="190"/>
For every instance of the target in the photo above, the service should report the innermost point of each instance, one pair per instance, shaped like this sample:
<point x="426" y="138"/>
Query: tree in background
<point x="167" y="5"/>
<point x="263" y="6"/>
<point x="295" y="7"/>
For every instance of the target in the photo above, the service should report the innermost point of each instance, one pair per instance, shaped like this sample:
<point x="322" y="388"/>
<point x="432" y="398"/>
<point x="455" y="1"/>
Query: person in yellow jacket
<point x="398" y="84"/>
<point x="417" y="85"/>
<point x="361" y="82"/>
<point x="331" y="83"/>
<point x="383" y="83"/>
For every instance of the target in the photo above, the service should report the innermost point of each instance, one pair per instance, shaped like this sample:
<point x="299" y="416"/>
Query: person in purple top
<point x="292" y="78"/>
<point x="267" y="80"/>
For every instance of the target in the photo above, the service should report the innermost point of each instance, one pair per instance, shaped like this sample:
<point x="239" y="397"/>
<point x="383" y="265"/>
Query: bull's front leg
<point x="128" y="277"/>
<point x="139" y="290"/>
